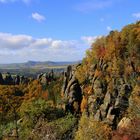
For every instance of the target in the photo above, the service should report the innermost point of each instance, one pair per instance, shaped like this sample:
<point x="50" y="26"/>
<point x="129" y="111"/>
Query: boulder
<point x="124" y="123"/>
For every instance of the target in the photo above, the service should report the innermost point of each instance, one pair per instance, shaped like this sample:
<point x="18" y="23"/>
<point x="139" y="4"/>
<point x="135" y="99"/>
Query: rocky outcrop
<point x="1" y="79"/>
<point x="45" y="78"/>
<point x="108" y="100"/>
<point x="17" y="80"/>
<point x="71" y="90"/>
<point x="24" y="80"/>
<point x="8" y="79"/>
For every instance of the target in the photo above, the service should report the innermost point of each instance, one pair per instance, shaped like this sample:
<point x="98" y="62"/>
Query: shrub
<point x="32" y="111"/>
<point x="84" y="104"/>
<point x="59" y="129"/>
<point x="92" y="130"/>
<point x="134" y="103"/>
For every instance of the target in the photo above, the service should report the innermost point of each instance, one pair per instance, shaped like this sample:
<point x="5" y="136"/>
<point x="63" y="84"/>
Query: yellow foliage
<point x="62" y="94"/>
<point x="81" y="73"/>
<point x="91" y="130"/>
<point x="45" y="95"/>
<point x="76" y="106"/>
<point x="134" y="101"/>
<point x="98" y="73"/>
<point x="83" y="104"/>
<point x="128" y="70"/>
<point x="87" y="90"/>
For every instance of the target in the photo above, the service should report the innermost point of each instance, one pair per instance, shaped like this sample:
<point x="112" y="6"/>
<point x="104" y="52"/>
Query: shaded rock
<point x="17" y="80"/>
<point x="104" y="109"/>
<point x="70" y="83"/>
<point x="39" y="76"/>
<point x="93" y="105"/>
<point x="8" y="80"/>
<point x="24" y="80"/>
<point x="110" y="116"/>
<point x="1" y="79"/>
<point x="98" y="116"/>
<point x="93" y="67"/>
<point x="71" y="90"/>
<point x="108" y="98"/>
<point x="44" y="80"/>
<point x="98" y="90"/>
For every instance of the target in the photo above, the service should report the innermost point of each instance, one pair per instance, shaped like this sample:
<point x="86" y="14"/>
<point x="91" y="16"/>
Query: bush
<point x="32" y="111"/>
<point x="8" y="130"/>
<point x="92" y="130"/>
<point x="134" y="103"/>
<point x="59" y="129"/>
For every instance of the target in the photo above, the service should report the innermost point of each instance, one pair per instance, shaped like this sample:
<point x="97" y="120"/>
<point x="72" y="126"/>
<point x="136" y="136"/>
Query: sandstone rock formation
<point x="45" y="78"/>
<point x="8" y="79"/>
<point x="72" y="90"/>
<point x="108" y="100"/>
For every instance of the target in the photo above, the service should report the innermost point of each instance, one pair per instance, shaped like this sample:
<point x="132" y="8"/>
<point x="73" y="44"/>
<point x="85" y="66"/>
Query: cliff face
<point x="72" y="91"/>
<point x="108" y="79"/>
<point x="108" y="100"/>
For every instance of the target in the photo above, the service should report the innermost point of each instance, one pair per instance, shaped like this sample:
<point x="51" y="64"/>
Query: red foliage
<point x="101" y="52"/>
<point x="130" y="133"/>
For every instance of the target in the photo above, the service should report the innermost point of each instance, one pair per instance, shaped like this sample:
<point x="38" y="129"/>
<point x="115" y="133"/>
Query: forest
<point x="96" y="99"/>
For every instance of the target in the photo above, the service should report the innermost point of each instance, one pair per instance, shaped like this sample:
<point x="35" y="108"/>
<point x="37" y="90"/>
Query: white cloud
<point x="136" y="15"/>
<point x="10" y="41"/>
<point x="16" y="42"/>
<point x="19" y="48"/>
<point x="90" y="39"/>
<point x="38" y="17"/>
<point x="108" y="28"/>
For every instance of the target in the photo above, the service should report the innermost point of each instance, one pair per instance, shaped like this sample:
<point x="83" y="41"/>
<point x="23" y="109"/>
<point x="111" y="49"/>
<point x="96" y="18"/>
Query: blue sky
<point x="58" y="30"/>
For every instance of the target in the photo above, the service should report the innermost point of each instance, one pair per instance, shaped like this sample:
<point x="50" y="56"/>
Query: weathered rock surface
<point x="109" y="100"/>
<point x="45" y="78"/>
<point x="71" y="90"/>
<point x="8" y="79"/>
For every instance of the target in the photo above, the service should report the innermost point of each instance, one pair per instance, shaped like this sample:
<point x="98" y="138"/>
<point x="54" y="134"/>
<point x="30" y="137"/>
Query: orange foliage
<point x="98" y="73"/>
<point x="87" y="90"/>
<point x="45" y="95"/>
<point x="101" y="52"/>
<point x="33" y="90"/>
<point x="83" y="104"/>
<point x="130" y="133"/>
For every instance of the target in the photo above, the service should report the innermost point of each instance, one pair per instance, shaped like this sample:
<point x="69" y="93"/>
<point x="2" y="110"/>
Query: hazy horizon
<point x="39" y="61"/>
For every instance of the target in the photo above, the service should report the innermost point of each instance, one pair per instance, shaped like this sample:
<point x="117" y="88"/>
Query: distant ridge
<point x="37" y="64"/>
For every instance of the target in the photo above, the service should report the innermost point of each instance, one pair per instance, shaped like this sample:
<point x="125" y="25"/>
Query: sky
<point x="59" y="30"/>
